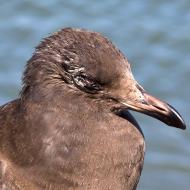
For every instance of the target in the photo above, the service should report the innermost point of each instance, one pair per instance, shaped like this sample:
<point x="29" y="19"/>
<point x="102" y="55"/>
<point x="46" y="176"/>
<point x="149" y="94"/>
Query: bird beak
<point x="158" y="109"/>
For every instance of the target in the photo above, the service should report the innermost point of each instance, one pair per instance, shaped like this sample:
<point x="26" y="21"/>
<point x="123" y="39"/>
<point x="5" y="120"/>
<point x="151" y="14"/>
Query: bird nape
<point x="71" y="128"/>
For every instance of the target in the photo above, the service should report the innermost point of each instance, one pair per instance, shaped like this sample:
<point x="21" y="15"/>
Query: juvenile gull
<point x="71" y="128"/>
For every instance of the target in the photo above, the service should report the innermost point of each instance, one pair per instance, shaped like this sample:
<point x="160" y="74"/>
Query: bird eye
<point x="86" y="83"/>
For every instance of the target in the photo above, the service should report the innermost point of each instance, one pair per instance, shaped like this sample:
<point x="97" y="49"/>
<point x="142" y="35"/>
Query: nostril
<point x="160" y="108"/>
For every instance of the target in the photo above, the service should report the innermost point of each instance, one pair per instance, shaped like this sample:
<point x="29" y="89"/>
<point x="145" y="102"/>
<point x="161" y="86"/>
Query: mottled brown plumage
<point x="71" y="129"/>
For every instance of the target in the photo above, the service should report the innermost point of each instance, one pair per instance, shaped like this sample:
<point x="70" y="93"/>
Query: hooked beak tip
<point x="176" y="118"/>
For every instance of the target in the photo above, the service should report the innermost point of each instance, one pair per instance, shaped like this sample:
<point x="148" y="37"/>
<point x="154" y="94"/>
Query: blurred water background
<point x="155" y="36"/>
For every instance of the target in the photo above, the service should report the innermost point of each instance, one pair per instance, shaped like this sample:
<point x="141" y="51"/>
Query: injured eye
<point x="86" y="83"/>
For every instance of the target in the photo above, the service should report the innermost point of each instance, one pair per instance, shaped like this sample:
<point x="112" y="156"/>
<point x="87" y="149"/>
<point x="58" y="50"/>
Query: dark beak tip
<point x="179" y="123"/>
<point x="179" y="126"/>
<point x="182" y="126"/>
<point x="176" y="118"/>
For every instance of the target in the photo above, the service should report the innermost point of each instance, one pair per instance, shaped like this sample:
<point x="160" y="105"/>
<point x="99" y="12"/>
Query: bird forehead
<point x="79" y="39"/>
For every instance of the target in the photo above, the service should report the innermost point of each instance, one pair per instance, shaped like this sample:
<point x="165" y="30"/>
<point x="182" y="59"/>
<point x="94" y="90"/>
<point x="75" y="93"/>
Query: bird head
<point x="89" y="63"/>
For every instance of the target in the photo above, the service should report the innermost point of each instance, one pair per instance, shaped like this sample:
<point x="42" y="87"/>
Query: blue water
<point x="153" y="34"/>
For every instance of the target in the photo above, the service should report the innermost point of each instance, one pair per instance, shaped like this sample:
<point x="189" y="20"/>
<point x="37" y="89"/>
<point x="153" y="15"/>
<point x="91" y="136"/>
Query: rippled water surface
<point x="155" y="36"/>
